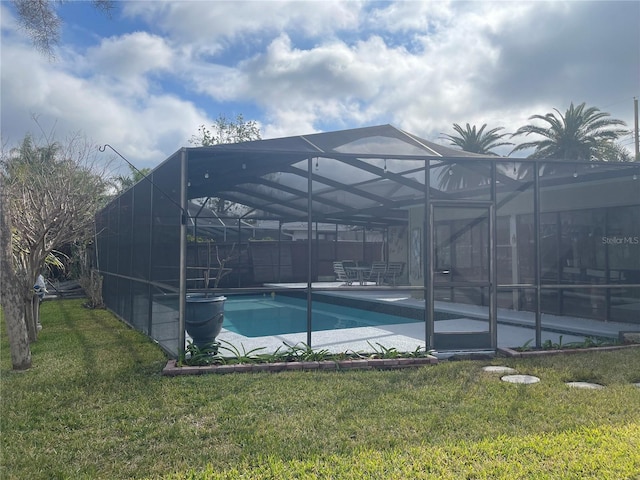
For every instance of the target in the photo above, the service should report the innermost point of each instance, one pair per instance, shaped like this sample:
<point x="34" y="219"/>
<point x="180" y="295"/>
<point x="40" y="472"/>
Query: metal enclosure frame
<point x="373" y="177"/>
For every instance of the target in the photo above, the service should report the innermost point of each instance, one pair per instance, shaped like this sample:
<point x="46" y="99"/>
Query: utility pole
<point x="635" y="111"/>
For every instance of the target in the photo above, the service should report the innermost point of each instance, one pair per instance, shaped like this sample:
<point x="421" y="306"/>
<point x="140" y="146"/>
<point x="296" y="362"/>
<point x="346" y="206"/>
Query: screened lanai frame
<point x="376" y="177"/>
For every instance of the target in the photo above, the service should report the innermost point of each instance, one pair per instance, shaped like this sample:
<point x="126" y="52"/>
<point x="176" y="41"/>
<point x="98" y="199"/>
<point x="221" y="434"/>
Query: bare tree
<point x="224" y="130"/>
<point x="50" y="193"/>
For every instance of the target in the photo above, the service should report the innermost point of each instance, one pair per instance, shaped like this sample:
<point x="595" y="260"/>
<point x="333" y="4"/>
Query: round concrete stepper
<point x="498" y="369"/>
<point x="591" y="386"/>
<point x="526" y="379"/>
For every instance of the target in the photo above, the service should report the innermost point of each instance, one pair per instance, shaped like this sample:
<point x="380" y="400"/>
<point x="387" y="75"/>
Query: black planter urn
<point x="204" y="317"/>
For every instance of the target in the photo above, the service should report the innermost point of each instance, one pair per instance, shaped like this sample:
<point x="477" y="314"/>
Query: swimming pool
<point x="261" y="316"/>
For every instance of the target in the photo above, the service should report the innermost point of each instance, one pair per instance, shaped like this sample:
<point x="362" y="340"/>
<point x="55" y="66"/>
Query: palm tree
<point x="457" y="176"/>
<point x="614" y="152"/>
<point x="580" y="134"/>
<point x="124" y="182"/>
<point x="477" y="141"/>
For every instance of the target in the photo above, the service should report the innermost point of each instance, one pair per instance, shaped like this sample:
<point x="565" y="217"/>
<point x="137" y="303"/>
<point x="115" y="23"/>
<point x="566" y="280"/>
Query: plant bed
<point x="510" y="352"/>
<point x="627" y="337"/>
<point x="294" y="357"/>
<point x="553" y="348"/>
<point x="172" y="368"/>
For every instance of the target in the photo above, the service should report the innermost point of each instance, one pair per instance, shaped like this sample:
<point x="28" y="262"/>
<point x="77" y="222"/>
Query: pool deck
<point x="515" y="328"/>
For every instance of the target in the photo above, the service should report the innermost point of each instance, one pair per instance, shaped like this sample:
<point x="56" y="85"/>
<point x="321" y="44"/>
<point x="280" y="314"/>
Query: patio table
<point x="359" y="271"/>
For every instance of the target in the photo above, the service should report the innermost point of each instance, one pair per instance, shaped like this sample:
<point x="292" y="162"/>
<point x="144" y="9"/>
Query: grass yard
<point x="94" y="406"/>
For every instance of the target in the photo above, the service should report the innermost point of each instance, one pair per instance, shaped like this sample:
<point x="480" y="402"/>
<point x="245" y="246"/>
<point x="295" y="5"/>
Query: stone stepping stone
<point x="498" y="369"/>
<point x="526" y="379"/>
<point x="637" y="384"/>
<point x="587" y="385"/>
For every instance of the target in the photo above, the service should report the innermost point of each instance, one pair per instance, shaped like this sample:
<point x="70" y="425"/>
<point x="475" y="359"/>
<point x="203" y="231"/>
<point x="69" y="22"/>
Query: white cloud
<point x="131" y="54"/>
<point x="223" y="22"/>
<point x="145" y="128"/>
<point x="418" y="85"/>
<point x="424" y="16"/>
<point x="359" y="83"/>
<point x="302" y="67"/>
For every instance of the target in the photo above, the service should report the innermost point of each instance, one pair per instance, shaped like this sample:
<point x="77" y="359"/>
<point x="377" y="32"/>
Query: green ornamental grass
<point x="95" y="406"/>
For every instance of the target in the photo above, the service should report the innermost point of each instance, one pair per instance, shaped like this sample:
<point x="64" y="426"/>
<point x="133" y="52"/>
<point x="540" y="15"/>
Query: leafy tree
<point x="223" y="131"/>
<point x="42" y="23"/>
<point x="50" y="195"/>
<point x="470" y="139"/>
<point x="582" y="133"/>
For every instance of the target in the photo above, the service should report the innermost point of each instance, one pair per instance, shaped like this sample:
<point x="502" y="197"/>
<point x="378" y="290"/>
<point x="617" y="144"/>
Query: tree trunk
<point x="12" y="302"/>
<point x="30" y="305"/>
<point x="12" y="309"/>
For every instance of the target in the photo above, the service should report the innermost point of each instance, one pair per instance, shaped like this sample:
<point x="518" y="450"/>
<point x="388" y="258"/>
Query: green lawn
<point x="94" y="405"/>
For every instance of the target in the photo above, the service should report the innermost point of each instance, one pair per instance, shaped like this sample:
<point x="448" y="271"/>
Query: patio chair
<point x="341" y="274"/>
<point x="394" y="270"/>
<point x="376" y="274"/>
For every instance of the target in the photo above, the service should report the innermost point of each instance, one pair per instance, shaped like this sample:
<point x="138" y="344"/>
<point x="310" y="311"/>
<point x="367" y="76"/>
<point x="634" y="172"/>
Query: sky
<point x="146" y="77"/>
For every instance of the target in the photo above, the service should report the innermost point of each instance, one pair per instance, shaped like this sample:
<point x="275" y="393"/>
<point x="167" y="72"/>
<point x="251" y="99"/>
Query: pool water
<point x="261" y="316"/>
